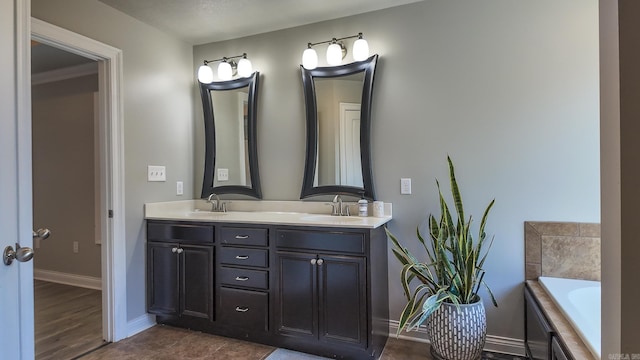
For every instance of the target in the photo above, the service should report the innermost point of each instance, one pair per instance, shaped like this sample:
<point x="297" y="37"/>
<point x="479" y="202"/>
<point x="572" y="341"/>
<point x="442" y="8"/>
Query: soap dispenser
<point x="363" y="207"/>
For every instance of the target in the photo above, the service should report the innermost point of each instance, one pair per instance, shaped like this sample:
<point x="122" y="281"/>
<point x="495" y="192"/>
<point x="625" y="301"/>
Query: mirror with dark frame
<point x="231" y="156"/>
<point x="338" y="103"/>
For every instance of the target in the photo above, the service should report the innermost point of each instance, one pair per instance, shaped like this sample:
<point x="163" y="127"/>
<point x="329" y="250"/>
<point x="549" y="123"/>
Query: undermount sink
<point x="330" y="218"/>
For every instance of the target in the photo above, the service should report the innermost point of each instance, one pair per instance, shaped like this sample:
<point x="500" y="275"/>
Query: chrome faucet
<point x="216" y="205"/>
<point x="336" y="207"/>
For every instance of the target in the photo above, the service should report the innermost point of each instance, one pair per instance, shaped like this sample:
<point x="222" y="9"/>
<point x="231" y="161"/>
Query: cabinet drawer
<point x="179" y="232"/>
<point x="244" y="236"/>
<point x="244" y="257"/>
<point x="244" y="309"/>
<point x="321" y="241"/>
<point x="257" y="279"/>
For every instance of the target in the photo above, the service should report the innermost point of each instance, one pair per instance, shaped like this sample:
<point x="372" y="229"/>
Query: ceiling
<point x="205" y="21"/>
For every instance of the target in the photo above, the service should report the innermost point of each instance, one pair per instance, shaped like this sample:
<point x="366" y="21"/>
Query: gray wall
<point x="509" y="89"/>
<point x="158" y="118"/>
<point x="63" y="175"/>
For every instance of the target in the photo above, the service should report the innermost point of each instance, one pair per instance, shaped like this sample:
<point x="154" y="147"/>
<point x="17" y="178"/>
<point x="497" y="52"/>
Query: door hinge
<point x="110" y="214"/>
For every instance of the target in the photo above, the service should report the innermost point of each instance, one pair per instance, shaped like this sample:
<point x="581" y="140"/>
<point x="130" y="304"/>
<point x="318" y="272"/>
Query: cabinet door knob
<point x="242" y="309"/>
<point x="320" y="262"/>
<point x="242" y="257"/>
<point x="241" y="278"/>
<point x="173" y="250"/>
<point x="180" y="250"/>
<point x="313" y="261"/>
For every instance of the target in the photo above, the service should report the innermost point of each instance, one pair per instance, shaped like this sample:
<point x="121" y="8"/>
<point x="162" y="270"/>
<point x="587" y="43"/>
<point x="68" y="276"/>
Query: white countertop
<point x="295" y="213"/>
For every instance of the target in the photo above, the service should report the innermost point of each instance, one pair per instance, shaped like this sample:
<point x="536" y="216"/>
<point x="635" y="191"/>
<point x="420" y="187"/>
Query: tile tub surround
<point x="562" y="249"/>
<point x="559" y="322"/>
<point x="264" y="212"/>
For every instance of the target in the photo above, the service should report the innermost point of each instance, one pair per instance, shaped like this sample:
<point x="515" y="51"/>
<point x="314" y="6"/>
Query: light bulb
<point x="360" y="50"/>
<point x="205" y="74"/>
<point x="244" y="68"/>
<point x="309" y="59"/>
<point x="224" y="71"/>
<point x="334" y="54"/>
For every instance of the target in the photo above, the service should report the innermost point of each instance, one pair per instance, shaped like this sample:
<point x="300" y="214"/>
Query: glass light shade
<point x="309" y="59"/>
<point x="360" y="50"/>
<point x="205" y="74"/>
<point x="244" y="68"/>
<point x="224" y="71"/>
<point x="334" y="54"/>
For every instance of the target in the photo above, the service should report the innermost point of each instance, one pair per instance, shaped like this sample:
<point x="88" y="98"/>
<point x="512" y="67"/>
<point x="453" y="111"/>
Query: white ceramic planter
<point x="457" y="333"/>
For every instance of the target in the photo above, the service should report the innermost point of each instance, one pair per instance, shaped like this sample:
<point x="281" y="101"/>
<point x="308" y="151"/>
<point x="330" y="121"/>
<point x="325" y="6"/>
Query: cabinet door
<point x="196" y="281"/>
<point x="162" y="278"/>
<point x="343" y="304"/>
<point x="297" y="308"/>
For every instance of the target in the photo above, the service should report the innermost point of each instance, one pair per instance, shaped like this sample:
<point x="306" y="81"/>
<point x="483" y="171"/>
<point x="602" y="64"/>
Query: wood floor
<point x="68" y="320"/>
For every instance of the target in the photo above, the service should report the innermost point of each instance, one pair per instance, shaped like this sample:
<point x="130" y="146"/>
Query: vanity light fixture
<point x="336" y="51"/>
<point x="226" y="69"/>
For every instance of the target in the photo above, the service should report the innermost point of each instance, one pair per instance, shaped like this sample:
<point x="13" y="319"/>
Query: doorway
<point x="66" y="184"/>
<point x="109" y="169"/>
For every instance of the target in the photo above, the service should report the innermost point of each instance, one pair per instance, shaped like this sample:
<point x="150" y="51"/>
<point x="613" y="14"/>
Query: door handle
<point x="42" y="234"/>
<point x="22" y="254"/>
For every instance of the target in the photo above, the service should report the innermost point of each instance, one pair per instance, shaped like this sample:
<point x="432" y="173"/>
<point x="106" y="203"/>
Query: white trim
<point x="497" y="344"/>
<point x="114" y="266"/>
<point x="140" y="324"/>
<point x="88" y="282"/>
<point x="67" y="73"/>
<point x="24" y="171"/>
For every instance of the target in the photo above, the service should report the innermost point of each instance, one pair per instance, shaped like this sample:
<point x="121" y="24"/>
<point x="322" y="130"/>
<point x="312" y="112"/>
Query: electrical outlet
<point x="179" y="188"/>
<point x="223" y="174"/>
<point x="405" y="186"/>
<point x="156" y="173"/>
<point x="75" y="247"/>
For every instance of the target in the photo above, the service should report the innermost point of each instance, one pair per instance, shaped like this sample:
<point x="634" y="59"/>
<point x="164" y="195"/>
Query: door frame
<point x="111" y="145"/>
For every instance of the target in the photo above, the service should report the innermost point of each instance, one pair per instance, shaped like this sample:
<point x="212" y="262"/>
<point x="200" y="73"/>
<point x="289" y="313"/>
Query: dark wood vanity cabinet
<point x="243" y="278"/>
<point x="311" y="289"/>
<point x="180" y="270"/>
<point x="324" y="292"/>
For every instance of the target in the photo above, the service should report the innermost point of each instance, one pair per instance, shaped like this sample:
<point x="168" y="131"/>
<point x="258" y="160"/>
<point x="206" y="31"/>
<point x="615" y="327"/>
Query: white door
<point x="16" y="283"/>
<point x="350" y="159"/>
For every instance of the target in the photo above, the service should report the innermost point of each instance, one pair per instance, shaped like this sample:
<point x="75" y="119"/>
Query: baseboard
<point x="493" y="343"/>
<point x="88" y="282"/>
<point x="140" y="324"/>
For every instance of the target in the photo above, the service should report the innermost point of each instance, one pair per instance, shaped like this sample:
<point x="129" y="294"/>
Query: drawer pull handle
<point x="242" y="309"/>
<point x="242" y="257"/>
<point x="242" y="236"/>
<point x="241" y="278"/>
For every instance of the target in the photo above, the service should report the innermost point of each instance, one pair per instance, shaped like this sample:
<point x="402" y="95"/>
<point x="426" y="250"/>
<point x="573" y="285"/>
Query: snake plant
<point x="453" y="269"/>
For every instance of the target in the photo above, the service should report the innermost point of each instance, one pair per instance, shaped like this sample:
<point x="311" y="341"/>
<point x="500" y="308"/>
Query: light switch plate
<point x="179" y="188"/>
<point x="156" y="173"/>
<point x="223" y="174"/>
<point x="405" y="186"/>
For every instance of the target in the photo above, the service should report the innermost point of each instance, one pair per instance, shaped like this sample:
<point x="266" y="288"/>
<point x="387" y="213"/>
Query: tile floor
<point x="165" y="342"/>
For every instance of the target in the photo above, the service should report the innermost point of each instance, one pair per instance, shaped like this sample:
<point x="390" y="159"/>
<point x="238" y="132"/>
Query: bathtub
<point x="579" y="301"/>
